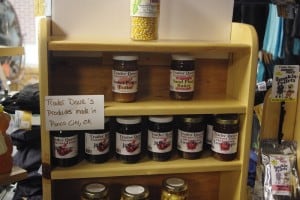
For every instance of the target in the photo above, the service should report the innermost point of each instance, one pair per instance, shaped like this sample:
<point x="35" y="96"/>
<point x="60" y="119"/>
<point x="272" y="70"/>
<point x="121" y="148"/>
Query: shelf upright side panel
<point x="241" y="86"/>
<point x="43" y="34"/>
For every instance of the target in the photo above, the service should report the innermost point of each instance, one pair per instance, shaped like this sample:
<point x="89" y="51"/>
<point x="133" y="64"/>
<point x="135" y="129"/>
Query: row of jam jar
<point x="173" y="188"/>
<point x="128" y="137"/>
<point x="125" y="77"/>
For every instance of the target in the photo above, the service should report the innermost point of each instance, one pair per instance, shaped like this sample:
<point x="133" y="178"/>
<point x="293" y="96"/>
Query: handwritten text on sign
<point x="75" y="112"/>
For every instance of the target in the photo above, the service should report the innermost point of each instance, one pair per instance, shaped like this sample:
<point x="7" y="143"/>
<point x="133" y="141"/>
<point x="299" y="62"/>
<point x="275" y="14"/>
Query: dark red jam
<point x="190" y="136"/>
<point x="182" y="77"/>
<point x="65" y="148"/>
<point x="97" y="144"/>
<point x="128" y="139"/>
<point x="225" y="137"/>
<point x="160" y="137"/>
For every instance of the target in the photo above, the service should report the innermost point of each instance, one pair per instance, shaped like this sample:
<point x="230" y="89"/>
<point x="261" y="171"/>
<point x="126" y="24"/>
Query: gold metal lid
<point x="95" y="190"/>
<point x="227" y="119"/>
<point x="192" y="118"/>
<point x="174" y="184"/>
<point x="135" y="192"/>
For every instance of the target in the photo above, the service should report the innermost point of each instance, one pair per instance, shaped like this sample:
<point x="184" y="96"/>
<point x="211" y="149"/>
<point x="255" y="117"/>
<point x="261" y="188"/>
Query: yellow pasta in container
<point x="144" y="19"/>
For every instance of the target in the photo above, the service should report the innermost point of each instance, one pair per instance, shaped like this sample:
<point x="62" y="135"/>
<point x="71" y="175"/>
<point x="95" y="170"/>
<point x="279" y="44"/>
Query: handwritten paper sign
<point x="75" y="112"/>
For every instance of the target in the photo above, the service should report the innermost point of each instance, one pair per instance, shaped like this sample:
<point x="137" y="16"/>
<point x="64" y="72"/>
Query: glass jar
<point x="144" y="19"/>
<point x="174" y="188"/>
<point x="225" y="137"/>
<point x="135" y="192"/>
<point x="182" y="77"/>
<point x="190" y="136"/>
<point x="128" y="139"/>
<point x="94" y="191"/>
<point x="97" y="144"/>
<point x="65" y="148"/>
<point x="160" y="137"/>
<point x="125" y="78"/>
<point x="209" y="130"/>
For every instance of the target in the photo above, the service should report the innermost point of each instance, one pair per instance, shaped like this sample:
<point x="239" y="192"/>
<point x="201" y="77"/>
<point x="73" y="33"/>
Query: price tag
<point x="74" y="112"/>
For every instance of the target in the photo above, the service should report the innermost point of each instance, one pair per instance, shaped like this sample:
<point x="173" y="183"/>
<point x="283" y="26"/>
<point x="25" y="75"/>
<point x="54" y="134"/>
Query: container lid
<point x="135" y="192"/>
<point x="125" y="57"/>
<point x="161" y="119"/>
<point x="183" y="57"/>
<point x="227" y="119"/>
<point x="192" y="118"/>
<point x="129" y="120"/>
<point x="175" y="184"/>
<point x="95" y="190"/>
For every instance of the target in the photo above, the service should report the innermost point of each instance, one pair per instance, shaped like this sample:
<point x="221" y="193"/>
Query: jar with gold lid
<point x="225" y="136"/>
<point x="95" y="191"/>
<point x="174" y="189"/>
<point x="135" y="192"/>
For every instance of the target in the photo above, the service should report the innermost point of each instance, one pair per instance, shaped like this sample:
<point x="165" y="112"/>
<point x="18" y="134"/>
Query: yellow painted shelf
<point x="171" y="46"/>
<point x="169" y="107"/>
<point x="11" y="51"/>
<point x="115" y="168"/>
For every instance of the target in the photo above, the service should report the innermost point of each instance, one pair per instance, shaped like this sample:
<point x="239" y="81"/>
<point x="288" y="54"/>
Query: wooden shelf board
<point x="15" y="175"/>
<point x="167" y="107"/>
<point x="114" y="168"/>
<point x="11" y="51"/>
<point x="171" y="46"/>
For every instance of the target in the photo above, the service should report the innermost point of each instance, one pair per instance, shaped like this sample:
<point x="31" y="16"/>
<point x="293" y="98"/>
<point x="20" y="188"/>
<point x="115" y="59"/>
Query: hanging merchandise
<point x="279" y="170"/>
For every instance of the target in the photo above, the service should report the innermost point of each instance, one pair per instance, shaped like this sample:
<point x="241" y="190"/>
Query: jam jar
<point x="97" y="144"/>
<point x="209" y="119"/>
<point x="190" y="136"/>
<point x="65" y="148"/>
<point x="128" y="139"/>
<point x="182" y="77"/>
<point x="225" y="137"/>
<point x="160" y="137"/>
<point x="125" y="78"/>
<point x="135" y="192"/>
<point x="95" y="191"/>
<point x="174" y="188"/>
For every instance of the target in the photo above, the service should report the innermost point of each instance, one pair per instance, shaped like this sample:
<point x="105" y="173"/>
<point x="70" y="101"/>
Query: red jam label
<point x="128" y="144"/>
<point x="190" y="141"/>
<point x="160" y="142"/>
<point x="182" y="81"/>
<point x="124" y="81"/>
<point x="224" y="143"/>
<point x="96" y="144"/>
<point x="65" y="147"/>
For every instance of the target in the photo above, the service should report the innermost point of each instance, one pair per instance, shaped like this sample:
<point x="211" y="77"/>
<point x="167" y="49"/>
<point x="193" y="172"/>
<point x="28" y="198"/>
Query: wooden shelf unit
<point x="225" y="83"/>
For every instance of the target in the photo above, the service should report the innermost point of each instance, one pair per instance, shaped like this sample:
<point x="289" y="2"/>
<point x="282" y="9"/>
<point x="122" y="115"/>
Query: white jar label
<point x="97" y="144"/>
<point x="190" y="141"/>
<point x="128" y="144"/>
<point x="144" y="8"/>
<point x="65" y="147"/>
<point x="182" y="81"/>
<point x="124" y="81"/>
<point x="160" y="142"/>
<point x="224" y="143"/>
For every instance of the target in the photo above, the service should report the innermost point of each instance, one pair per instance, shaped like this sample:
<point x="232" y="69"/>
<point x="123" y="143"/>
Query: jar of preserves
<point x="125" y="78"/>
<point x="182" y="77"/>
<point x="174" y="188"/>
<point x="97" y="144"/>
<point x="190" y="136"/>
<point x="209" y="130"/>
<point x="160" y="137"/>
<point x="65" y="148"/>
<point x="95" y="191"/>
<point x="135" y="192"/>
<point x="144" y="19"/>
<point x="225" y="137"/>
<point x="128" y="139"/>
